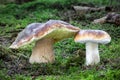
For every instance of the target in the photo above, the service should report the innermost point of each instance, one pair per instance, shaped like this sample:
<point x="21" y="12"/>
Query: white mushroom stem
<point x="43" y="52"/>
<point x="92" y="53"/>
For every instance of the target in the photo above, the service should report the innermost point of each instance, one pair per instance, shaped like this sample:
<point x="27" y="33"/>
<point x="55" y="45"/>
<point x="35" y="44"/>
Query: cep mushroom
<point x="92" y="38"/>
<point x="45" y="35"/>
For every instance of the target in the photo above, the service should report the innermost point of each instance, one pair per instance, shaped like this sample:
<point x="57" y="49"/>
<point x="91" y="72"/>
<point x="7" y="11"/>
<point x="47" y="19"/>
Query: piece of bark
<point x="83" y="9"/>
<point x="113" y="18"/>
<point x="109" y="18"/>
<point x="100" y="21"/>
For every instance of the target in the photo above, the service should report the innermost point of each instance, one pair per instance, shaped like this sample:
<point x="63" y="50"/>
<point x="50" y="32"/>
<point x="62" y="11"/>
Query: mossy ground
<point x="70" y="56"/>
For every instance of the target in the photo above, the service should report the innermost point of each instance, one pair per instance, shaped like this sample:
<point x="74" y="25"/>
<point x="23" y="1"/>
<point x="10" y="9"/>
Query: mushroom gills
<point x="62" y="33"/>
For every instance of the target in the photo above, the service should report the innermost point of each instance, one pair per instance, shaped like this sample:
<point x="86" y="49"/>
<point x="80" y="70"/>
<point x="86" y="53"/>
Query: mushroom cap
<point x="54" y="29"/>
<point x="95" y="36"/>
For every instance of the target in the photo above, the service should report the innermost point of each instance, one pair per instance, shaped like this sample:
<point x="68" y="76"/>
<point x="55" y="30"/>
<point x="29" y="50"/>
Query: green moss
<point x="70" y="56"/>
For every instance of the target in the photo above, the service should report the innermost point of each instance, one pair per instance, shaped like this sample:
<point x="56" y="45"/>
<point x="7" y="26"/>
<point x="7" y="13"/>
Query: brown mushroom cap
<point x="55" y="29"/>
<point x="96" y="36"/>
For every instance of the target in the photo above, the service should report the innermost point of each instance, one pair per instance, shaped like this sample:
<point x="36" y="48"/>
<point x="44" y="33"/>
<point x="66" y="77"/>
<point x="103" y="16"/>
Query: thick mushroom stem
<point x="92" y="53"/>
<point x="43" y="51"/>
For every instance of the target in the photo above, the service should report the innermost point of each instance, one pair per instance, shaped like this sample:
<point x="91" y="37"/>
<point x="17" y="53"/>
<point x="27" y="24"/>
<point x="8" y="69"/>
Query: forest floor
<point x="69" y="56"/>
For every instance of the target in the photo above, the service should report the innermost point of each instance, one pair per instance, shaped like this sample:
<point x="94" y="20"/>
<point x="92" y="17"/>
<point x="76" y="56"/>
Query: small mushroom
<point x="92" y="38"/>
<point x="45" y="35"/>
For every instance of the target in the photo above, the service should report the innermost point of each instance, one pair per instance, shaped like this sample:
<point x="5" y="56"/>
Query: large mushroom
<point x="45" y="35"/>
<point x="92" y="38"/>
